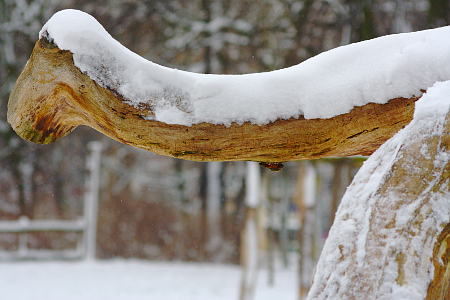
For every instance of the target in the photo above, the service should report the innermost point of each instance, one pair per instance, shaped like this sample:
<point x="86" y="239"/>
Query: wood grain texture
<point x="52" y="97"/>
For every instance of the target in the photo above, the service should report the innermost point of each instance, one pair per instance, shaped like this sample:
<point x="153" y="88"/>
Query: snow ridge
<point x="324" y="86"/>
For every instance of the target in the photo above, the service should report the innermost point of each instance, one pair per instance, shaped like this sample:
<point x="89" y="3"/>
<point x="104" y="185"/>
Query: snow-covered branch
<point x="346" y="101"/>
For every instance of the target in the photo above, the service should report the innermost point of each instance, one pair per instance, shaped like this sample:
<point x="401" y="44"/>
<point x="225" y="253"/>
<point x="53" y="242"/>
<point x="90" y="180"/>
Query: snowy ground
<point x="135" y="279"/>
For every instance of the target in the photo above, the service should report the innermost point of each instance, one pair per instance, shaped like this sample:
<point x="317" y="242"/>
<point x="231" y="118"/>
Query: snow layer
<point x="135" y="280"/>
<point x="324" y="86"/>
<point x="364" y="206"/>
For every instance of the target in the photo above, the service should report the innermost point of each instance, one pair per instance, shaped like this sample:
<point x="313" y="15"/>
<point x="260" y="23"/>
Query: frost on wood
<point x="390" y="235"/>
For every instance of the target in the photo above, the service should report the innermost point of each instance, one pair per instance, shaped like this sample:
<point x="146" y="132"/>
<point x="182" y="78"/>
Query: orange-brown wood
<point x="52" y="97"/>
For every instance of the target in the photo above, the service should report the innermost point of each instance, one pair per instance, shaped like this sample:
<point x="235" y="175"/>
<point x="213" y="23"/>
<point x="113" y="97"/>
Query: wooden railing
<point x="86" y="225"/>
<point x="24" y="226"/>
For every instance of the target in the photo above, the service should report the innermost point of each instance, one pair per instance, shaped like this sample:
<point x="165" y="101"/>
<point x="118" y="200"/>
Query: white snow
<point x="349" y="233"/>
<point x="324" y="86"/>
<point x="134" y="280"/>
<point x="436" y="104"/>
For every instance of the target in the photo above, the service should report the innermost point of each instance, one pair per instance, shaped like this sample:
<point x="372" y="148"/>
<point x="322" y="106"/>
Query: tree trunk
<point x="391" y="232"/>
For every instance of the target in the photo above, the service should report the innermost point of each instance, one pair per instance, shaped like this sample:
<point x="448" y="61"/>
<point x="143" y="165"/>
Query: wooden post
<point x="213" y="206"/>
<point x="250" y="239"/>
<point x="91" y="198"/>
<point x="307" y="185"/>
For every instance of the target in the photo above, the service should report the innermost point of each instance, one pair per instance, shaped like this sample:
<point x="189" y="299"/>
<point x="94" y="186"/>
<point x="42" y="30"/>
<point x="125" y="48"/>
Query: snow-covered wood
<point x="52" y="97"/>
<point x="324" y="86"/>
<point x="343" y="102"/>
<point x="390" y="236"/>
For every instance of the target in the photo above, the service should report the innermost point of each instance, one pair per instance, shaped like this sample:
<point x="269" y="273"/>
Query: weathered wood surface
<point x="52" y="97"/>
<point x="390" y="238"/>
